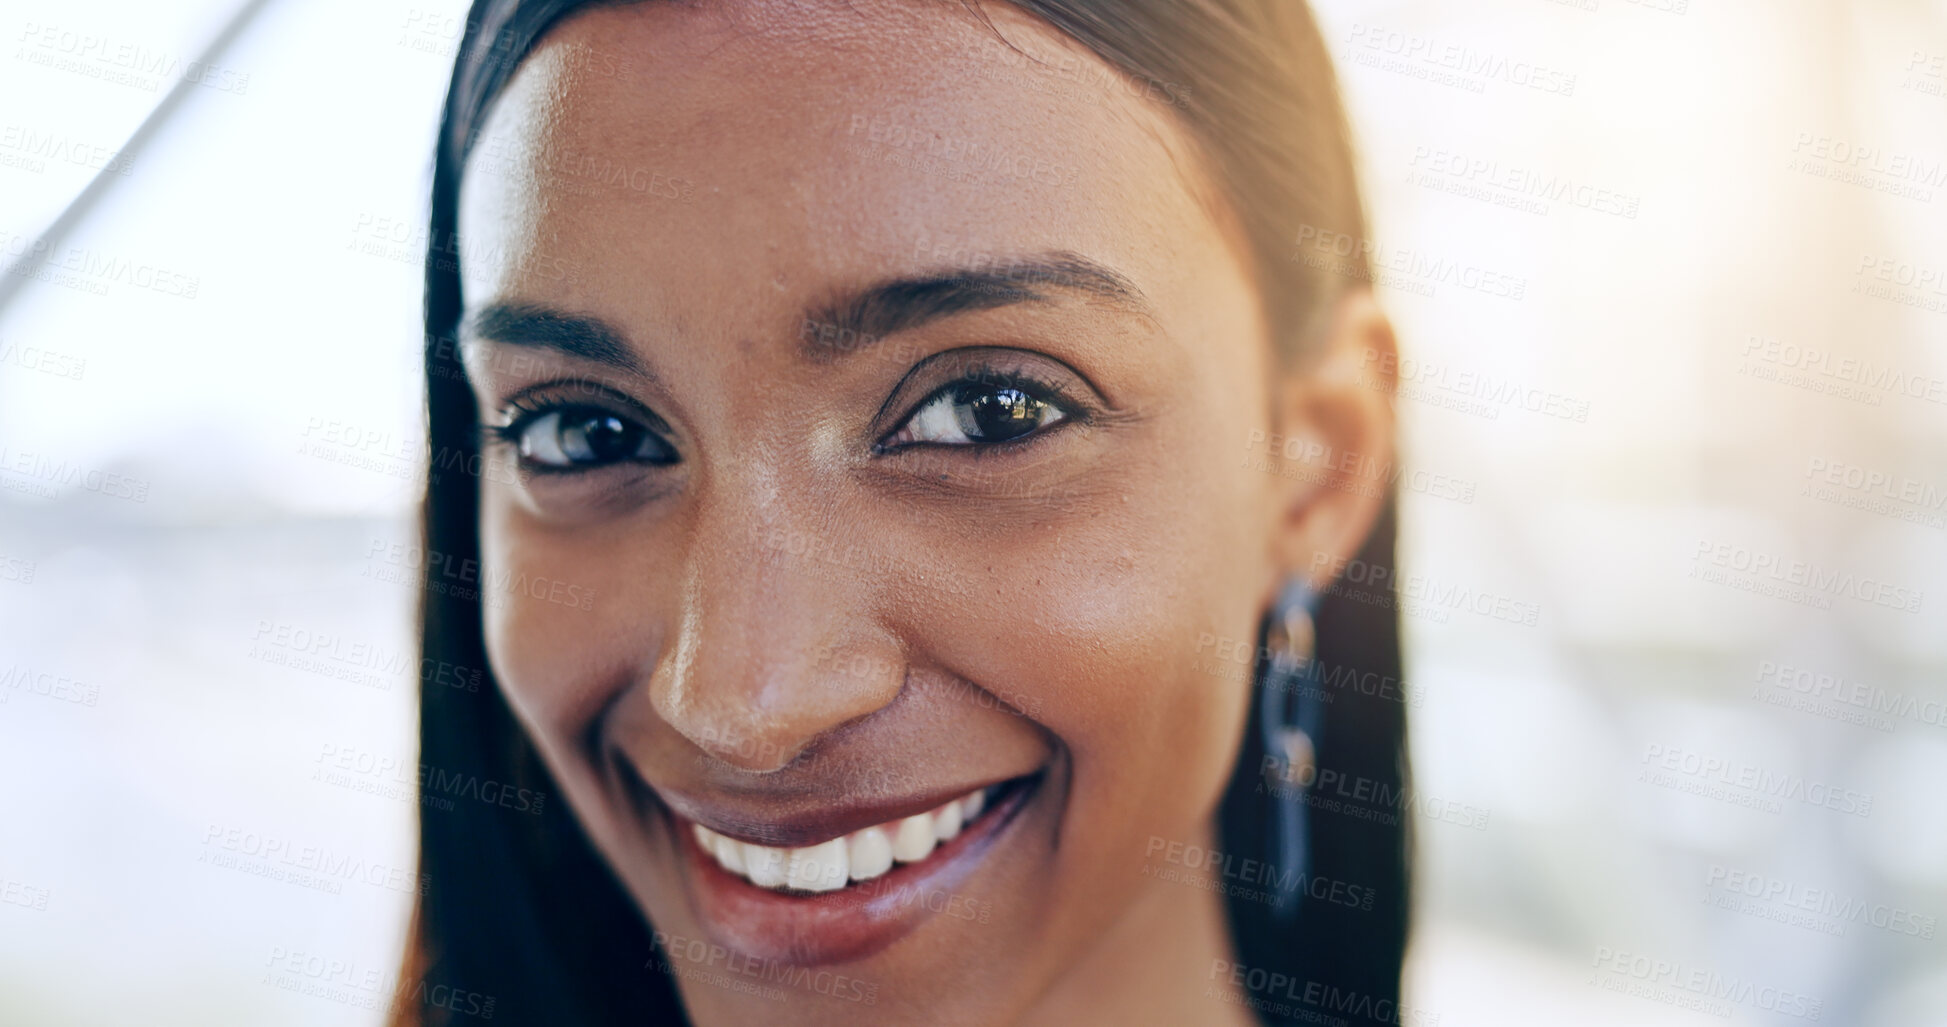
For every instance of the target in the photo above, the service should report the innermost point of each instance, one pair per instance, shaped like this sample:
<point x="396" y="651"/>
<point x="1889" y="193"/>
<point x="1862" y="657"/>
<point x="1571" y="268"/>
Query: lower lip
<point x="852" y="922"/>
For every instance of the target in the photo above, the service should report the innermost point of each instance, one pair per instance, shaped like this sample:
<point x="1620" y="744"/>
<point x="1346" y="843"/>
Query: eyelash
<point x="523" y="410"/>
<point x="530" y="405"/>
<point x="1055" y="394"/>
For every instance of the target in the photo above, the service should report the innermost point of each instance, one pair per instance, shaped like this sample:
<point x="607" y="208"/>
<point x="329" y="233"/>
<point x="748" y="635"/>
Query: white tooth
<point x="820" y="867"/>
<point x="765" y="866"/>
<point x="729" y="853"/>
<point x="971" y="806"/>
<point x="704" y="836"/>
<point x="946" y="821"/>
<point x="869" y="852"/>
<point x="913" y="840"/>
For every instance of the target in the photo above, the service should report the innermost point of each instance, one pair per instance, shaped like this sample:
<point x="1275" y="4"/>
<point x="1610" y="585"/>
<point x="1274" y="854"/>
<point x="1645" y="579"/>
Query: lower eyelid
<point x="997" y="450"/>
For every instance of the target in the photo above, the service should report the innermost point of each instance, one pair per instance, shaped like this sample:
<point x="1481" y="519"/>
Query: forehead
<point x="661" y="156"/>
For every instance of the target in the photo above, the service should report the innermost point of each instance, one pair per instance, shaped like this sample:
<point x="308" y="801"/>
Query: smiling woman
<point x="931" y="461"/>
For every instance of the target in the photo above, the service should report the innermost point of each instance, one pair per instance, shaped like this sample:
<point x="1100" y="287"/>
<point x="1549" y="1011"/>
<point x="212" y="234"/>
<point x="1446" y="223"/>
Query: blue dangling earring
<point x="1291" y="709"/>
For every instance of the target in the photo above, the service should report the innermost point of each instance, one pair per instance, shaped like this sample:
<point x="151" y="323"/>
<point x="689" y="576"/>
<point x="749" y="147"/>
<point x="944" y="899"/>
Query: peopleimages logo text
<point x="1726" y="556"/>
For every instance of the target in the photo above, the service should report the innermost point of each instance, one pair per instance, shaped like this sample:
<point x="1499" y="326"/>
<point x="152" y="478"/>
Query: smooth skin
<point x="789" y="612"/>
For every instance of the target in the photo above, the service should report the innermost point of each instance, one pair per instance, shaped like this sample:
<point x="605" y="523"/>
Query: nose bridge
<point x="776" y="642"/>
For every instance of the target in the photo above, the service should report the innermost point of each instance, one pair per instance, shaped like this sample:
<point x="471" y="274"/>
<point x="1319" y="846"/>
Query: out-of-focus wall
<point x="209" y="447"/>
<point x="1671" y="282"/>
<point x="1671" y="276"/>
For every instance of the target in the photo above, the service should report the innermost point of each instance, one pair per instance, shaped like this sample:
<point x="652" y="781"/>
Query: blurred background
<point x="1671" y="278"/>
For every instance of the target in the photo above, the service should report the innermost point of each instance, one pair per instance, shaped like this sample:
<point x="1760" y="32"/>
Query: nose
<point x="776" y="643"/>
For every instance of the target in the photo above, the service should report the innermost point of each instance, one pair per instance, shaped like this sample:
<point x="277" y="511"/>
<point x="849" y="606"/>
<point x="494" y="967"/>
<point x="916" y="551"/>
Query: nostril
<point x="747" y="751"/>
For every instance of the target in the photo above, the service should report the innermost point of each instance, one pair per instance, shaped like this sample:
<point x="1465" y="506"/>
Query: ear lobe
<point x="1336" y="463"/>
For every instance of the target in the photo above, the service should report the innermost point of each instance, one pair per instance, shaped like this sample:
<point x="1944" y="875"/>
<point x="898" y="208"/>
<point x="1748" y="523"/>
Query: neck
<point x="1154" y="963"/>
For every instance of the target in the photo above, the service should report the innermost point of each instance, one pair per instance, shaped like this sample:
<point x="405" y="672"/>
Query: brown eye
<point x="585" y="437"/>
<point x="972" y="414"/>
<point x="996" y="415"/>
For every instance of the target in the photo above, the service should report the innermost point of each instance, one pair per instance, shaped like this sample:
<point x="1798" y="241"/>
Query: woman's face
<point x="885" y="404"/>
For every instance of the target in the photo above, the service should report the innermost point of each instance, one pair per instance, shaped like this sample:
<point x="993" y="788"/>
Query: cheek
<point x="1104" y="627"/>
<point x="568" y="615"/>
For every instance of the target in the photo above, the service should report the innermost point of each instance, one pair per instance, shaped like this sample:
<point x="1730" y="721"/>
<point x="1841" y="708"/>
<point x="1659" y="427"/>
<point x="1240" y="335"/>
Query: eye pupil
<point x="999" y="414"/>
<point x="601" y="437"/>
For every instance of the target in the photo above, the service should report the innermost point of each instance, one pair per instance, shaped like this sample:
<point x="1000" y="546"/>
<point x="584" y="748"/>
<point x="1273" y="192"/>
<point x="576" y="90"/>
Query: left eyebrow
<point x="858" y="319"/>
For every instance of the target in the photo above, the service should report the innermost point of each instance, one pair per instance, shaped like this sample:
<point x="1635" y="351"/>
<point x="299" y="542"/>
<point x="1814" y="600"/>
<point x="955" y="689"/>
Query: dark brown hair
<point x="521" y="922"/>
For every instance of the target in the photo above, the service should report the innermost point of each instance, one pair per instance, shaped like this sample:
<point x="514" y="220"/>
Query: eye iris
<point x="996" y="415"/>
<point x="600" y="438"/>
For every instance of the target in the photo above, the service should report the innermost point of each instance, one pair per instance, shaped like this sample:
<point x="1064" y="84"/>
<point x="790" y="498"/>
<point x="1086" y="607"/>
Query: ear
<point x="1335" y="463"/>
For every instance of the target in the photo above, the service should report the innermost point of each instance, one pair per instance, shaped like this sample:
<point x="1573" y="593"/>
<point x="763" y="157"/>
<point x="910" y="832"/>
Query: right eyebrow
<point x="863" y="317"/>
<point x="575" y="335"/>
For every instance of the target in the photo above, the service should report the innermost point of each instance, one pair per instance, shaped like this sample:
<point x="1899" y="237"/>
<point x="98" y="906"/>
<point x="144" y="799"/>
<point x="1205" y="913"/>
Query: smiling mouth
<point x="842" y="882"/>
<point x="846" y="860"/>
<point x="859" y="856"/>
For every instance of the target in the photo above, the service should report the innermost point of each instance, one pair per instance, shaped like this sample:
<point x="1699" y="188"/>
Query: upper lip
<point x="799" y="827"/>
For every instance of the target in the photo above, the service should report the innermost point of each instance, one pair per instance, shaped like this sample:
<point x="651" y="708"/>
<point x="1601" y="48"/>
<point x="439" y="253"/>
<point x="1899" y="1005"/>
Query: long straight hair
<point x="520" y="921"/>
